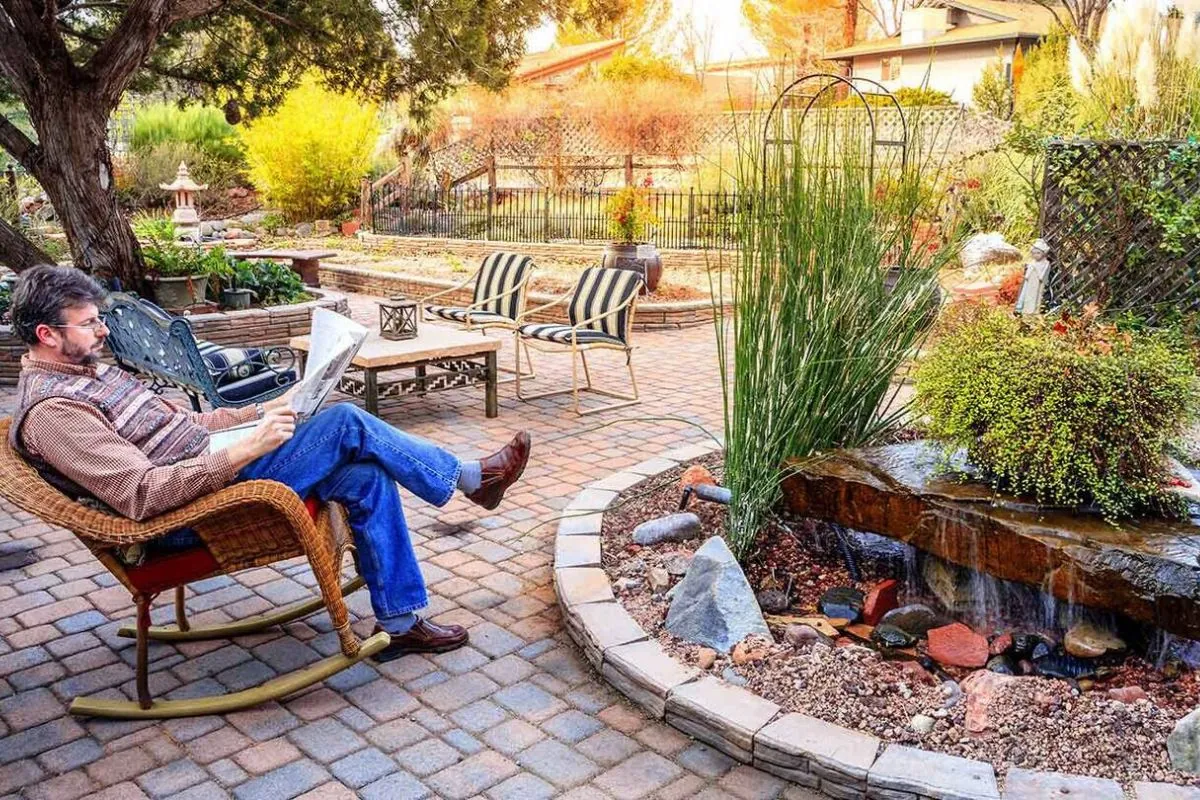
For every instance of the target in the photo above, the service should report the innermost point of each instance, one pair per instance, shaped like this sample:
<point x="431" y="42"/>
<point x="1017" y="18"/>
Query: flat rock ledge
<point x="839" y="762"/>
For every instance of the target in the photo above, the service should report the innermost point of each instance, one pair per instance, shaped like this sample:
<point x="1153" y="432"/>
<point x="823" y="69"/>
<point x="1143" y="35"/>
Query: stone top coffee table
<point x="459" y="358"/>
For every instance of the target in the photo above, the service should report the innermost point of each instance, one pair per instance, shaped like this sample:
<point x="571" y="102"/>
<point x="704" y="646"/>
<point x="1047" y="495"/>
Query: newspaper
<point x="332" y="345"/>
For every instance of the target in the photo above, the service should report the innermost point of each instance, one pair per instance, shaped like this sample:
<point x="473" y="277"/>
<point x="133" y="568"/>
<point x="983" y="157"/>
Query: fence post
<point x="546" y="216"/>
<point x="691" y="225"/>
<point x="364" y="204"/>
<point x="629" y="169"/>
<point x="491" y="196"/>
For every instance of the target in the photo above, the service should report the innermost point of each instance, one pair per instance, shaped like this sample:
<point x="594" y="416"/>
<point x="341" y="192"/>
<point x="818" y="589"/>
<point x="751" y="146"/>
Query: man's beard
<point x="81" y="356"/>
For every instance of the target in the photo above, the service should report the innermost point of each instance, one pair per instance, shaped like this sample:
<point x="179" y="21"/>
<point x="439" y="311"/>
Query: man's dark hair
<point x="42" y="292"/>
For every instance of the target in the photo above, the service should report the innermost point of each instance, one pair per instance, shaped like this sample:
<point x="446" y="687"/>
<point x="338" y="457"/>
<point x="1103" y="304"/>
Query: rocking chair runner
<point x="248" y="524"/>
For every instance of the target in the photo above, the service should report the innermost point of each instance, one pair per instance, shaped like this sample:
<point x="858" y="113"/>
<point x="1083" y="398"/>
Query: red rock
<point x="1128" y="694"/>
<point x="696" y="475"/>
<point x="1000" y="644"/>
<point x="914" y="673"/>
<point x="880" y="600"/>
<point x="981" y="689"/>
<point x="957" y="645"/>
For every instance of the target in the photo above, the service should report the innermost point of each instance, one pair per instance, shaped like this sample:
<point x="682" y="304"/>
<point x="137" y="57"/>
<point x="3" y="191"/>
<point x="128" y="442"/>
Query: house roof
<point x="551" y="62"/>
<point x="1011" y="21"/>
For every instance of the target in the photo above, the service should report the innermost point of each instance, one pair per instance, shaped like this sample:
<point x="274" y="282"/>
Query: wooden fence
<point x="1123" y="222"/>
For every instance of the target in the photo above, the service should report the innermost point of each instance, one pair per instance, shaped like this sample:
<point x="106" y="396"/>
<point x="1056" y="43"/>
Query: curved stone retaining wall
<point x="841" y="763"/>
<point x="651" y="315"/>
<point x="273" y="325"/>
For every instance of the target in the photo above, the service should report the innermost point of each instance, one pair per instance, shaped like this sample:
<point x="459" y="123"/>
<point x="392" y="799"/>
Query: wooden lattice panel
<point x="1106" y="247"/>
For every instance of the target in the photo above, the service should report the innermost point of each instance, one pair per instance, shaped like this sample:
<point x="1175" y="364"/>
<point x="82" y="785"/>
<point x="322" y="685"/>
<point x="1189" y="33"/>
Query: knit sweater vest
<point x="161" y="431"/>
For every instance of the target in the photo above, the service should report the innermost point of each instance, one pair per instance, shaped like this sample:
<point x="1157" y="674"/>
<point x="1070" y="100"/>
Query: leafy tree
<point x="69" y="62"/>
<point x="635" y="21"/>
<point x="787" y="27"/>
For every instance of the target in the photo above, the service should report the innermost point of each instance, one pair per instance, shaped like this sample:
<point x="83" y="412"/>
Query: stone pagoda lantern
<point x="185" y="197"/>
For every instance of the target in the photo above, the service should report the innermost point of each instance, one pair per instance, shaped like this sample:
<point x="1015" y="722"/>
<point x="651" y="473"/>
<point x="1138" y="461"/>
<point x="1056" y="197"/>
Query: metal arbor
<point x="806" y="93"/>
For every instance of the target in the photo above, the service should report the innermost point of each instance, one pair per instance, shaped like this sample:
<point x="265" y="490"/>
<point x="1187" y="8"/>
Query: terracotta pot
<point x="350" y="227"/>
<point x="642" y="258"/>
<point x="181" y="292"/>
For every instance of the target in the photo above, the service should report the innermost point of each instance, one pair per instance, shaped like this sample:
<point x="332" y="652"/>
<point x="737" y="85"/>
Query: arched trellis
<point x="861" y="88"/>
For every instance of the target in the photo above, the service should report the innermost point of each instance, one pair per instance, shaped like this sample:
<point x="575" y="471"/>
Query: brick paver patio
<point x="517" y="714"/>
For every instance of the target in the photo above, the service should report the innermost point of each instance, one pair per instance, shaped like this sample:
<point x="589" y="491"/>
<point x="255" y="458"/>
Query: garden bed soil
<point x="1036" y="723"/>
<point x="552" y="276"/>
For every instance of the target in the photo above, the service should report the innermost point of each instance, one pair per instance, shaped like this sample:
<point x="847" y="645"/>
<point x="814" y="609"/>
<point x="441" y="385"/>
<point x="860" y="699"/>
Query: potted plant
<point x="348" y="224"/>
<point x="629" y="219"/>
<point x="237" y="296"/>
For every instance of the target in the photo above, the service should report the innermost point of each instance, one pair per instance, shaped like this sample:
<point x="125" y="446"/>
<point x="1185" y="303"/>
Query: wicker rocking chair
<point x="249" y="524"/>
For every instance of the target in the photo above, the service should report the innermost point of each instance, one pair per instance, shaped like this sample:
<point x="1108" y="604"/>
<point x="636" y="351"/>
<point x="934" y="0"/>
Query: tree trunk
<point x="17" y="252"/>
<point x="76" y="172"/>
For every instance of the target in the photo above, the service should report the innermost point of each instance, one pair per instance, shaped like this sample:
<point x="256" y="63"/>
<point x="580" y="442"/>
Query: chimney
<point x="922" y="24"/>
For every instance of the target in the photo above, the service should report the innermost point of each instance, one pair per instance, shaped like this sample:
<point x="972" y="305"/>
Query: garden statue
<point x="184" y="189"/>
<point x="1029" y="301"/>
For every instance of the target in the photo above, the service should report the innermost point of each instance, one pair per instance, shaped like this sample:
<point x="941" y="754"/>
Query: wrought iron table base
<point x="454" y="373"/>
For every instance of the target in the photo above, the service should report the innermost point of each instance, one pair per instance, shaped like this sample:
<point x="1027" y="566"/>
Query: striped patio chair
<point x="600" y="309"/>
<point x="501" y="283"/>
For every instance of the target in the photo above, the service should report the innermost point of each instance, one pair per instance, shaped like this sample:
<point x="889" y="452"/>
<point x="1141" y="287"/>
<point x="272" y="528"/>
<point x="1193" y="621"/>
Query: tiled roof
<point x="550" y="62"/>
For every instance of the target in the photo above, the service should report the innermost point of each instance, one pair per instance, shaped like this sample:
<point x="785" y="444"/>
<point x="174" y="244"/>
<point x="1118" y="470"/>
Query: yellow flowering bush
<point x="309" y="156"/>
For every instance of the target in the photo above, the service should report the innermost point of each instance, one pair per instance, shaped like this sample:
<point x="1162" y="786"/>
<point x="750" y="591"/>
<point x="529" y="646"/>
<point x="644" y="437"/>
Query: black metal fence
<point x="687" y="219"/>
<point x="1123" y="222"/>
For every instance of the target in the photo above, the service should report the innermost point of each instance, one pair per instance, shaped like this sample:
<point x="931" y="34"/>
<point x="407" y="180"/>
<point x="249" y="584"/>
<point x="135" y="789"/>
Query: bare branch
<point x="186" y="10"/>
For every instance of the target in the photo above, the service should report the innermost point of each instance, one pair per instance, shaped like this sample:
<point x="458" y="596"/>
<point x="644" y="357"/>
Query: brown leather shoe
<point x="501" y="470"/>
<point x="424" y="637"/>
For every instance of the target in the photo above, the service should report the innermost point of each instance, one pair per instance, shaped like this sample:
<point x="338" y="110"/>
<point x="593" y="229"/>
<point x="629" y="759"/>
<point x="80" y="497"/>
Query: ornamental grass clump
<point x="819" y="329"/>
<point x="1069" y="411"/>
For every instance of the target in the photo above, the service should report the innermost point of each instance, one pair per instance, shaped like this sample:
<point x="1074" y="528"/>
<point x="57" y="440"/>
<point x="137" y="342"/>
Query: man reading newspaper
<point x="94" y="431"/>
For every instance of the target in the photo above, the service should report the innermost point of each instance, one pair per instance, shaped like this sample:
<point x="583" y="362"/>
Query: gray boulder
<point x="1183" y="744"/>
<point x="671" y="528"/>
<point x="713" y="605"/>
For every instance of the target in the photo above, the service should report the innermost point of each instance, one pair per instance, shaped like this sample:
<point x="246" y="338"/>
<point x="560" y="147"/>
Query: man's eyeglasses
<point x="94" y="325"/>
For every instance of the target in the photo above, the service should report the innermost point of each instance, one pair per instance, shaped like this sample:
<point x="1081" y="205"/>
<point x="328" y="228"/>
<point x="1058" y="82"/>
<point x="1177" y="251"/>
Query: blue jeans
<point x="349" y="456"/>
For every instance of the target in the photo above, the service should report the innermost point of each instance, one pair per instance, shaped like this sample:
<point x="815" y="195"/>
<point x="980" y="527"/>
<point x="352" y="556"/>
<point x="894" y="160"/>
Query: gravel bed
<point x="1036" y="723"/>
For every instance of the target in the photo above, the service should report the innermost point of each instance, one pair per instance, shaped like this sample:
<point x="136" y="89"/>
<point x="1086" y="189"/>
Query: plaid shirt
<point x="81" y="443"/>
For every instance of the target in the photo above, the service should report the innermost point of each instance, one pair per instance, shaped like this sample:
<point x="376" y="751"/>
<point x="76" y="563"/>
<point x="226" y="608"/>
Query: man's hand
<point x="283" y="401"/>
<point x="276" y="427"/>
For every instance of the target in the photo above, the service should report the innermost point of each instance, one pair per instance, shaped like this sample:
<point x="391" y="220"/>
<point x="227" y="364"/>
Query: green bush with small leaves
<point x="1069" y="411"/>
<point x="271" y="283"/>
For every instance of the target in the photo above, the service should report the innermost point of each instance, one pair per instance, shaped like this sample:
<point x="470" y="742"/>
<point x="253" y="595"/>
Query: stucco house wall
<point x="954" y="70"/>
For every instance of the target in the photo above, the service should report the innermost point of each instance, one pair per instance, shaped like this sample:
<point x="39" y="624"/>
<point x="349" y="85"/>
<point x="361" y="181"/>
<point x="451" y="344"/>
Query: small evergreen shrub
<point x="273" y="284"/>
<point x="309" y="156"/>
<point x="1069" y="411"/>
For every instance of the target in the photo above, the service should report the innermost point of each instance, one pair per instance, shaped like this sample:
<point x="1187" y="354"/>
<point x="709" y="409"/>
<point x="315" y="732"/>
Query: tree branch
<point x="18" y="253"/>
<point x="186" y="10"/>
<point x="20" y="146"/>
<point x="128" y="46"/>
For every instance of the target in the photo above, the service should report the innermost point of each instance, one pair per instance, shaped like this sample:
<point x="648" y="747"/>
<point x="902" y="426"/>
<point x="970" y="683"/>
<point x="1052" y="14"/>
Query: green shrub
<point x="993" y="92"/>
<point x="905" y="96"/>
<point x="1067" y="411"/>
<point x="273" y="284"/>
<point x="994" y="195"/>
<point x="635" y="68"/>
<point x="202" y="127"/>
<point x="309" y="156"/>
<point x="5" y="300"/>
<point x="140" y="173"/>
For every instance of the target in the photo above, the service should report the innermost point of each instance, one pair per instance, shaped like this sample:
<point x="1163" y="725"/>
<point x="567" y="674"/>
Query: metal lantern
<point x="398" y="318"/>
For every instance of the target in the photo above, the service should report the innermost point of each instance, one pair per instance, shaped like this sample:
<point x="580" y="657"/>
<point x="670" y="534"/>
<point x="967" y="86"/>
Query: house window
<point x="891" y="69"/>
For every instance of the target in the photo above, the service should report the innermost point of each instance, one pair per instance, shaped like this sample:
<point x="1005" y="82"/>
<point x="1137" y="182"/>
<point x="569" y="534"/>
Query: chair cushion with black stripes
<point x="602" y="289"/>
<point x="561" y="334"/>
<point x="240" y="390"/>
<point x="500" y="273"/>
<point x="231" y="364"/>
<point x="454" y="314"/>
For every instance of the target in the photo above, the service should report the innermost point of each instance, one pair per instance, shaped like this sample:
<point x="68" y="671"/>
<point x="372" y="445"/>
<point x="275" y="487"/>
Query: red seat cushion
<point x="167" y="571"/>
<point x="172" y="569"/>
